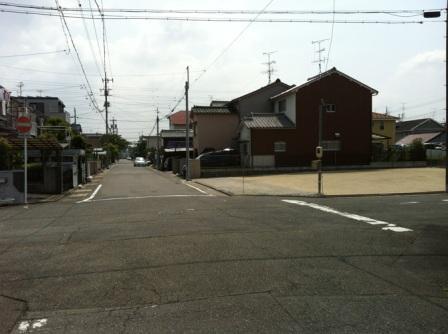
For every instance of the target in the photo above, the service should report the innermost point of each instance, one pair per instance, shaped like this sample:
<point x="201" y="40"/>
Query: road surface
<point x="143" y="252"/>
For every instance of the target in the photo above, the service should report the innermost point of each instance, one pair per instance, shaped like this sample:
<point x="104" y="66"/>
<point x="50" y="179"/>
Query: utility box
<point x="195" y="168"/>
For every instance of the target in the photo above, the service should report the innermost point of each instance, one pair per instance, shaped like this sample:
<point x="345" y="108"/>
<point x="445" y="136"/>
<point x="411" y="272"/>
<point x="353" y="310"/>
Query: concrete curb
<point x="315" y="195"/>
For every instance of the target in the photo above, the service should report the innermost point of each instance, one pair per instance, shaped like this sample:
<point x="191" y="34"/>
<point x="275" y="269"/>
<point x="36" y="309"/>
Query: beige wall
<point x="214" y="131"/>
<point x="388" y="131"/>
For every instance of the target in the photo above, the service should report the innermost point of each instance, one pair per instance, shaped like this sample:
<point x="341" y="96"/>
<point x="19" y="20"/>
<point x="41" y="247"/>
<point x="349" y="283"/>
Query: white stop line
<point x="388" y="227"/>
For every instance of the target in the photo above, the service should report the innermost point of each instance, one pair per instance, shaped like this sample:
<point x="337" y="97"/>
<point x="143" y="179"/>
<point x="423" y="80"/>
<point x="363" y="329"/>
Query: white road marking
<point x="412" y="202"/>
<point x="39" y="323"/>
<point x="196" y="188"/>
<point x="143" y="197"/>
<point x="25" y="325"/>
<point x="444" y="200"/>
<point x="91" y="196"/>
<point x="391" y="227"/>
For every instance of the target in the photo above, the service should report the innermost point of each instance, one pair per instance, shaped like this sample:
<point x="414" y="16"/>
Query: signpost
<point x="24" y="126"/>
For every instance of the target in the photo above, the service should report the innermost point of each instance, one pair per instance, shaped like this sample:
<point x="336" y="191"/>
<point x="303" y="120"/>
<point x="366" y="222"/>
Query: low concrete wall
<point x="11" y="187"/>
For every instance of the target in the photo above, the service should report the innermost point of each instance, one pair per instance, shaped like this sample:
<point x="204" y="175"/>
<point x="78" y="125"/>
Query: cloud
<point x="422" y="62"/>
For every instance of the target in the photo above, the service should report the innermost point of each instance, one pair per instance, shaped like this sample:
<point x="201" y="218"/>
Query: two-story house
<point x="383" y="129"/>
<point x="289" y="136"/>
<point x="217" y="126"/>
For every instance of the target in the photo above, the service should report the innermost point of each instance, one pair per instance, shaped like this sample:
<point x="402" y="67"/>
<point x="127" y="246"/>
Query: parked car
<point x="222" y="158"/>
<point x="140" y="162"/>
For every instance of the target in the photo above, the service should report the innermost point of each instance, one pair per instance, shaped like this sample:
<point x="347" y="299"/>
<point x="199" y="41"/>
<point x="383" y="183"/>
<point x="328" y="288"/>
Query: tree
<point x="112" y="151"/>
<point x="417" y="150"/>
<point x="5" y="152"/>
<point x="60" y="134"/>
<point x="114" y="139"/>
<point x="141" y="150"/>
<point x="78" y="142"/>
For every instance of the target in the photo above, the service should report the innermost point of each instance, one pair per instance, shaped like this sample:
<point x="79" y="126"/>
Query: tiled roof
<point x="425" y="137"/>
<point x="275" y="83"/>
<point x="178" y="118"/>
<point x="378" y="116"/>
<point x="210" y="110"/>
<point x="321" y="76"/>
<point x="268" y="121"/>
<point x="412" y="124"/>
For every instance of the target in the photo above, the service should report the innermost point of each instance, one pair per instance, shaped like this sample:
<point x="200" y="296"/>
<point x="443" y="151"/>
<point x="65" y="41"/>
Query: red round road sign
<point x="23" y="124"/>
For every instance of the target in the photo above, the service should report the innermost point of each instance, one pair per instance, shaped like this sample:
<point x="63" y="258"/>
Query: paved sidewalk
<point x="340" y="183"/>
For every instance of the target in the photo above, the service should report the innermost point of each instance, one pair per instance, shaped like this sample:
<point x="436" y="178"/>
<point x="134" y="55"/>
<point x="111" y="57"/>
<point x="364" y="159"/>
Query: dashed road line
<point x="91" y="196"/>
<point x="411" y="202"/>
<point x="388" y="227"/>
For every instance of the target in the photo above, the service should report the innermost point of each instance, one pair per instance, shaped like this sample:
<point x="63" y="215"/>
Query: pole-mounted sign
<point x="23" y="125"/>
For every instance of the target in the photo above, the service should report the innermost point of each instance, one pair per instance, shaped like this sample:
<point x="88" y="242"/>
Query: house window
<point x="282" y="106"/>
<point x="381" y="125"/>
<point x="279" y="146"/>
<point x="331" y="145"/>
<point x="330" y="108"/>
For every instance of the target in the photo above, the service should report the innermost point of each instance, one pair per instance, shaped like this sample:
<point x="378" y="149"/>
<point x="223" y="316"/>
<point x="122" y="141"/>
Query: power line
<point x="331" y="35"/>
<point x="35" y="54"/>
<point x="88" y="39"/>
<point x="90" y="91"/>
<point x="220" y="11"/>
<point x="224" y="19"/>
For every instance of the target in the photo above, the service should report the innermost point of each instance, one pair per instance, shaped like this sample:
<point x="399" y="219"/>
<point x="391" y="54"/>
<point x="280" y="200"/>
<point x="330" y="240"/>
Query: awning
<point x="43" y="144"/>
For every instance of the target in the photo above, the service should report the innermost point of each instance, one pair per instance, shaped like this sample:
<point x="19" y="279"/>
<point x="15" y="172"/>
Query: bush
<point x="417" y="151"/>
<point x="5" y="153"/>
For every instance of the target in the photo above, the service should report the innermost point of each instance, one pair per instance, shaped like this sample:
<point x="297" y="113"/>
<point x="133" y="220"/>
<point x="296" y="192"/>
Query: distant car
<point x="222" y="158"/>
<point x="139" y="162"/>
<point x="128" y="158"/>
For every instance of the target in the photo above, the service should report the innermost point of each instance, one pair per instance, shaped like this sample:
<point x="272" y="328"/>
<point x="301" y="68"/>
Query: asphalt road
<point x="148" y="254"/>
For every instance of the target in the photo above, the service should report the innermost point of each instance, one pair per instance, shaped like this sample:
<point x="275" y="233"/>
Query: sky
<point x="147" y="59"/>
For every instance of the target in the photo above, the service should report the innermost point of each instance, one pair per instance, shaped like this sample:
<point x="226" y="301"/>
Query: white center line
<point x="195" y="188"/>
<point x="91" y="196"/>
<point x="412" y="202"/>
<point x="391" y="227"/>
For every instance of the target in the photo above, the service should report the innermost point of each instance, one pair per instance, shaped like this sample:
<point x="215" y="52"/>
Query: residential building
<point x="417" y="126"/>
<point x="259" y="101"/>
<point x="215" y="127"/>
<point x="177" y="120"/>
<point x="93" y="139"/>
<point x="383" y="129"/>
<point x="151" y="142"/>
<point x="289" y="136"/>
<point x="7" y="118"/>
<point x="45" y="107"/>
<point x="174" y="140"/>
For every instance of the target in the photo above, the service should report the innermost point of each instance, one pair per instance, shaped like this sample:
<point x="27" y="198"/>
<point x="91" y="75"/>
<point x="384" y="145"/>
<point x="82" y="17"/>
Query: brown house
<point x="289" y="136"/>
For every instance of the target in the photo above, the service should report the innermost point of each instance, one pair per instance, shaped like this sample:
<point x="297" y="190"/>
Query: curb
<point x="315" y="195"/>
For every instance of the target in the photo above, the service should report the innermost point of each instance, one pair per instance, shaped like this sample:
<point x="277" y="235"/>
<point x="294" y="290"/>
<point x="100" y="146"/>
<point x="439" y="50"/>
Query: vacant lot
<point x="384" y="181"/>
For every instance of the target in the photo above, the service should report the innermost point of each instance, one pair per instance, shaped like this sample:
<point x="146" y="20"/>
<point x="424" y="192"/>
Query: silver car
<point x="139" y="162"/>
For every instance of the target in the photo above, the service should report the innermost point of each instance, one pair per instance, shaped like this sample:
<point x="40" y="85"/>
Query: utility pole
<point x="106" y="102"/>
<point x="269" y="64"/>
<point x="319" y="51"/>
<point x="74" y="111"/>
<point x="114" y="126"/>
<point x="187" y="127"/>
<point x="446" y="98"/>
<point x="20" y="86"/>
<point x="158" y="140"/>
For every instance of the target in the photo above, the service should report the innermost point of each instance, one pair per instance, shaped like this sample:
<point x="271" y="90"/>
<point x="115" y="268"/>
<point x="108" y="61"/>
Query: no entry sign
<point x="23" y="124"/>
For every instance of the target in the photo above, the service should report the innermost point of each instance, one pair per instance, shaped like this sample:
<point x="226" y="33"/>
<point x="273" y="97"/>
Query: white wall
<point x="290" y="107"/>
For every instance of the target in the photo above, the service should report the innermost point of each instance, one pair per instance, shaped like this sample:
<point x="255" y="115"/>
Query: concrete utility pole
<point x="269" y="64"/>
<point x="187" y="127"/>
<point x="158" y="140"/>
<point x="106" y="102"/>
<point x="114" y="126"/>
<point x="74" y="112"/>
